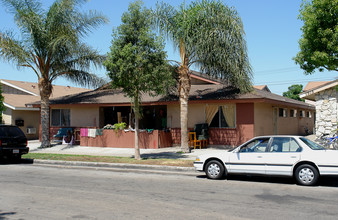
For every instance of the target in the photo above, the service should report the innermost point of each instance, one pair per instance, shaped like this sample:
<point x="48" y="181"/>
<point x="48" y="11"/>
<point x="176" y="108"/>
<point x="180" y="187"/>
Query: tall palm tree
<point x="209" y="35"/>
<point x="51" y="46"/>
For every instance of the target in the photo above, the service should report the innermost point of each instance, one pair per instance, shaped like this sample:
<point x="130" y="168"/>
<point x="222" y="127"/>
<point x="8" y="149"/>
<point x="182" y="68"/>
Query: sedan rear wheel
<point x="306" y="175"/>
<point x="214" y="169"/>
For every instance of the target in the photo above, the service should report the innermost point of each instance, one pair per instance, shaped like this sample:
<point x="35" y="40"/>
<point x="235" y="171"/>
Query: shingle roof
<point x="31" y="93"/>
<point x="15" y="101"/>
<point x="206" y="78"/>
<point x="312" y="85"/>
<point x="57" y="90"/>
<point x="316" y="87"/>
<point x="262" y="87"/>
<point x="197" y="93"/>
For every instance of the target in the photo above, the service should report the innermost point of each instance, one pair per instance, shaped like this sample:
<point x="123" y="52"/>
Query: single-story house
<point x="232" y="117"/>
<point x="325" y="96"/>
<point x="17" y="94"/>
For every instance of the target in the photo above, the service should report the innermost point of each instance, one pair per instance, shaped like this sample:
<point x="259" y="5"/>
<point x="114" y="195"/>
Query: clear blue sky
<point x="272" y="34"/>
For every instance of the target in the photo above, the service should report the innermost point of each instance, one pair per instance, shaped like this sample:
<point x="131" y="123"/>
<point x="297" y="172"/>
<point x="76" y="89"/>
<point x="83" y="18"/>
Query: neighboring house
<point x="17" y="94"/>
<point x="325" y="96"/>
<point x="311" y="85"/>
<point x="232" y="118"/>
<point x="262" y="87"/>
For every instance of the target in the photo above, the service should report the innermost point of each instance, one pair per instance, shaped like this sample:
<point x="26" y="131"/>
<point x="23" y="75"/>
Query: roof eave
<point x="21" y="108"/>
<point x="311" y="93"/>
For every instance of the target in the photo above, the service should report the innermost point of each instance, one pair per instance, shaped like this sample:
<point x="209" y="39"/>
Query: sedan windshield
<point x="311" y="144"/>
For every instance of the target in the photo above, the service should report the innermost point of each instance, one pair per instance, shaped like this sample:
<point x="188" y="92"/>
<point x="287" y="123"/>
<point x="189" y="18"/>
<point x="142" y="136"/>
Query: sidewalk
<point x="170" y="152"/>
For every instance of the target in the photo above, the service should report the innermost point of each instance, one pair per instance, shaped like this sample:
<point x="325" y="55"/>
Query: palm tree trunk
<point x="45" y="87"/>
<point x="184" y="89"/>
<point x="45" y="141"/>
<point x="137" y="113"/>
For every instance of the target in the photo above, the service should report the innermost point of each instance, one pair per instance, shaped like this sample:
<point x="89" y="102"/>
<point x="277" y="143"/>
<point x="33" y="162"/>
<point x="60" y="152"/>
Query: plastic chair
<point x="193" y="140"/>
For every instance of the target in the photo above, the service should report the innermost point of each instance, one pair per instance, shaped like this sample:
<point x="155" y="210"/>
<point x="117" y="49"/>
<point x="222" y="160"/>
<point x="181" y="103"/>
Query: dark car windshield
<point x="11" y="132"/>
<point x="312" y="145"/>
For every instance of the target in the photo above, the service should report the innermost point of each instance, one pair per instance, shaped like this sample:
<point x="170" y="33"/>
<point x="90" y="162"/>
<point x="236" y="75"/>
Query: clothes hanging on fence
<point x="84" y="132"/>
<point x="91" y="132"/>
<point x="99" y="132"/>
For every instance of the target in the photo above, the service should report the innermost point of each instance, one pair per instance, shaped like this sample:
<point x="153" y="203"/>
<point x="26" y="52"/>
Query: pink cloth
<point x="84" y="132"/>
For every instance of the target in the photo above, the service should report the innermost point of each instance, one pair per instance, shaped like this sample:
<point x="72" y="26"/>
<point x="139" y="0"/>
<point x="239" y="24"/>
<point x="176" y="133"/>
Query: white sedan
<point x="292" y="156"/>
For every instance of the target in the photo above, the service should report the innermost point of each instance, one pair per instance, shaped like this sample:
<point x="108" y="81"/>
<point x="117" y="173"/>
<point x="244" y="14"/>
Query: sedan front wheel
<point x="214" y="169"/>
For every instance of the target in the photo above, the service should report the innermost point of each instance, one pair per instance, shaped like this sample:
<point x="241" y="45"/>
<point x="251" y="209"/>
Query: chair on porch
<point x="202" y="133"/>
<point x="193" y="141"/>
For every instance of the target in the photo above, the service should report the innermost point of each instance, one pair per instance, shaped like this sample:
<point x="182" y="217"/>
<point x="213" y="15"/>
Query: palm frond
<point x="210" y="35"/>
<point x="13" y="50"/>
<point x="85" y="23"/>
<point x="83" y="78"/>
<point x="163" y="19"/>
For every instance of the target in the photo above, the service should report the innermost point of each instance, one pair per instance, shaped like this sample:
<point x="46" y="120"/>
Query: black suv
<point x="13" y="142"/>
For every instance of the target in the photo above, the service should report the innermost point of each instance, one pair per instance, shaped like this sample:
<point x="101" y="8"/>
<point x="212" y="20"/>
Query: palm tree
<point x="208" y="35"/>
<point x="51" y="46"/>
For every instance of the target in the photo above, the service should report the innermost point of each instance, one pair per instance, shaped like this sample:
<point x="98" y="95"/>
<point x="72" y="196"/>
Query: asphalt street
<point x="29" y="191"/>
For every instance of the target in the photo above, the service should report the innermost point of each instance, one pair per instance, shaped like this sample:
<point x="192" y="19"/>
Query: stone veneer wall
<point x="326" y="111"/>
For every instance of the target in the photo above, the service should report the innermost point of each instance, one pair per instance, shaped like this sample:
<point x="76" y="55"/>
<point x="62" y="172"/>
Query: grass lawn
<point x="107" y="159"/>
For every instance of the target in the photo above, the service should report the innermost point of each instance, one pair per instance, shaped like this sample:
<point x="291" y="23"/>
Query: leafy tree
<point x="2" y="106"/>
<point x="51" y="46"/>
<point x="209" y="35"/>
<point x="136" y="62"/>
<point x="294" y="91"/>
<point x="319" y="42"/>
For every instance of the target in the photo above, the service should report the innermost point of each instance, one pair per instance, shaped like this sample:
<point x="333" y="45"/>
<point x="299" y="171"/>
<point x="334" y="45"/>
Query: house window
<point x="302" y="113"/>
<point x="283" y="112"/>
<point x="60" y="117"/>
<point x="221" y="116"/>
<point x="308" y="114"/>
<point x="293" y="113"/>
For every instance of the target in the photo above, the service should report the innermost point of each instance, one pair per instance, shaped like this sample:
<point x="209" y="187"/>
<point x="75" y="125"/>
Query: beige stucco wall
<point x="264" y="121"/>
<point x="84" y="117"/>
<point x="31" y="120"/>
<point x="7" y="116"/>
<point x="194" y="115"/>
<point x="288" y="125"/>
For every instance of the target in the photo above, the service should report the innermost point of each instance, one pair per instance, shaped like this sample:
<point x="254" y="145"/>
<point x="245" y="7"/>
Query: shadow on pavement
<point x="327" y="181"/>
<point x="331" y="181"/>
<point x="164" y="155"/>
<point x="16" y="161"/>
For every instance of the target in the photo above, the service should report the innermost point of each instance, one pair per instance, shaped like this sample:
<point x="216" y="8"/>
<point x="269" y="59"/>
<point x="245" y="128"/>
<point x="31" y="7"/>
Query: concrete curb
<point x="122" y="167"/>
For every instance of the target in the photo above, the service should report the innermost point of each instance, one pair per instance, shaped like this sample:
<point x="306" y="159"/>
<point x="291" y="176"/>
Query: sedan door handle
<point x="259" y="157"/>
<point x="293" y="156"/>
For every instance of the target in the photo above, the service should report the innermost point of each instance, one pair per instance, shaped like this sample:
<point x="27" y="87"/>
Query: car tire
<point x="306" y="175"/>
<point x="214" y="169"/>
